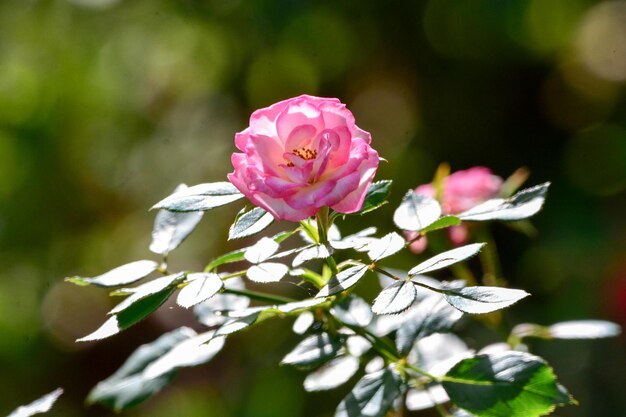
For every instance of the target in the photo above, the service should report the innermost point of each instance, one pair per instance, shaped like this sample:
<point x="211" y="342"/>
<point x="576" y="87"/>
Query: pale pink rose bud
<point x="302" y="154"/>
<point x="461" y="191"/>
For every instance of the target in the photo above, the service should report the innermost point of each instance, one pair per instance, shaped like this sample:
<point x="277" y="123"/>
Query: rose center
<point x="305" y="153"/>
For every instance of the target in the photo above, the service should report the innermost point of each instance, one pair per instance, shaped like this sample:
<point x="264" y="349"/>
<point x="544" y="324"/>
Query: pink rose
<point x="461" y="191"/>
<point x="302" y="154"/>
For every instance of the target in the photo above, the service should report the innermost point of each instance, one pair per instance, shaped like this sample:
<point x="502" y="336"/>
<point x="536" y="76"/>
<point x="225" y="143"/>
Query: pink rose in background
<point x="302" y="154"/>
<point x="461" y="191"/>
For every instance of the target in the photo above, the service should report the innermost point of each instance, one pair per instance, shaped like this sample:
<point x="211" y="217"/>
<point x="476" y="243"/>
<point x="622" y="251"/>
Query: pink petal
<point x="298" y="113"/>
<point x="263" y="121"/>
<point x="336" y="115"/>
<point x="311" y="195"/>
<point x="300" y="137"/>
<point x="367" y="169"/>
<point x="343" y="188"/>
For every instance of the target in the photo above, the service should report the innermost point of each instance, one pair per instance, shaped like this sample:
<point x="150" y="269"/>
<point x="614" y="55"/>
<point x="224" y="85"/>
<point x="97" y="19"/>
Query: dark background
<point x="107" y="105"/>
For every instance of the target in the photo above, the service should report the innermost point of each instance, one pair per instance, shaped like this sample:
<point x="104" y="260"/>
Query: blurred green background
<point x="106" y="105"/>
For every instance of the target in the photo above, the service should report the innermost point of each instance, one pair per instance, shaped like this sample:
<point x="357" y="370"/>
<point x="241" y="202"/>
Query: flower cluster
<point x="460" y="191"/>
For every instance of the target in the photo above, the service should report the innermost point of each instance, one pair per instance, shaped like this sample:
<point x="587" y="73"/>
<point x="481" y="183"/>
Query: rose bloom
<point x="461" y="191"/>
<point x="302" y="154"/>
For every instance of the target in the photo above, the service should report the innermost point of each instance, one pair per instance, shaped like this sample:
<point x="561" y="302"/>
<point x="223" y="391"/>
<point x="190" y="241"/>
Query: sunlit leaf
<point x="41" y="405"/>
<point x="200" y="197"/>
<point x="122" y="275"/>
<point x="170" y="228"/>
<point x="353" y="311"/>
<point x="447" y="258"/>
<point x="313" y="351"/>
<point x="416" y="212"/>
<point x="332" y="374"/>
<point x="303" y="322"/>
<point x="358" y="241"/>
<point x="576" y="329"/>
<point x="513" y="384"/>
<point x="372" y="396"/>
<point x="158" y="285"/>
<point x="522" y="205"/>
<point x="250" y="222"/>
<point x="431" y="315"/>
<point x="201" y="287"/>
<point x="421" y="399"/>
<point x="127" y="386"/>
<point x="190" y="352"/>
<point x="395" y="298"/>
<point x="313" y="252"/>
<point x="376" y="196"/>
<point x="439" y="352"/>
<point x="386" y="246"/>
<point x="343" y="280"/>
<point x="239" y="323"/>
<point x="214" y="311"/>
<point x="261" y="250"/>
<point x="267" y="272"/>
<point x="480" y="300"/>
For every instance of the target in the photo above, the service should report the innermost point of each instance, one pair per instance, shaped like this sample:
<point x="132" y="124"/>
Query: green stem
<point x="260" y="296"/>
<point x="323" y="224"/>
<point x="489" y="258"/>
<point x="233" y="275"/>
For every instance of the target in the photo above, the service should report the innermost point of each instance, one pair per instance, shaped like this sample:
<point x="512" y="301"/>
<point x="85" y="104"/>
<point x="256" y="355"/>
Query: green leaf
<point x="122" y="275"/>
<point x="200" y="197"/>
<point x="171" y="229"/>
<point x="481" y="300"/>
<point x="132" y="312"/>
<point x="332" y="374"/>
<point x="395" y="298"/>
<point x="230" y="257"/>
<point x="522" y="205"/>
<point x="343" y="280"/>
<point x="431" y="315"/>
<point x="442" y="223"/>
<point x="200" y="287"/>
<point x="446" y="259"/>
<point x="249" y="223"/>
<point x="576" y="329"/>
<point x="506" y="384"/>
<point x="313" y="351"/>
<point x="386" y="246"/>
<point x="127" y="386"/>
<point x="41" y="405"/>
<point x="267" y="272"/>
<point x="416" y="212"/>
<point x="156" y="286"/>
<point x="376" y="196"/>
<point x="372" y="396"/>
